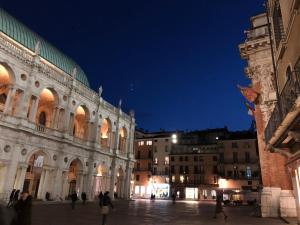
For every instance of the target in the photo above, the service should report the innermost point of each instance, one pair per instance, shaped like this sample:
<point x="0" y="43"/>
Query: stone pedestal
<point x="270" y="202"/>
<point x="287" y="204"/>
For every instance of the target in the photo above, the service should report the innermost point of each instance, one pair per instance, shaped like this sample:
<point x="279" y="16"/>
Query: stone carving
<point x="37" y="47"/>
<point x="7" y="148"/>
<point x="24" y="151"/>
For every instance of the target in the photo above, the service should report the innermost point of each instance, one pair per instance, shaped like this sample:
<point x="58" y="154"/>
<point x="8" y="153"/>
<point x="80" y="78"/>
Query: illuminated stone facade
<point x="57" y="135"/>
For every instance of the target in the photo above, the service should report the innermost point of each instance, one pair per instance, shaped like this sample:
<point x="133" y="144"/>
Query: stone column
<point x="24" y="104"/>
<point x="34" y="110"/>
<point x="55" y="118"/>
<point x="9" y="101"/>
<point x="112" y="179"/>
<point x="127" y="183"/>
<point x="79" y="182"/>
<point x="64" y="190"/>
<point x="11" y="174"/>
<point x="20" y="177"/>
<point x="41" y="185"/>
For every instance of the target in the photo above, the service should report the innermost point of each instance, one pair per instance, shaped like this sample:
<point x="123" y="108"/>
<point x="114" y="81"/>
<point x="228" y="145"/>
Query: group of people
<point x="21" y="209"/>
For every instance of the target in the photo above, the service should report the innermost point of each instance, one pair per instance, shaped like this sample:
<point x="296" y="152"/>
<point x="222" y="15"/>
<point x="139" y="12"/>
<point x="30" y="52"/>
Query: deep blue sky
<point x="175" y="62"/>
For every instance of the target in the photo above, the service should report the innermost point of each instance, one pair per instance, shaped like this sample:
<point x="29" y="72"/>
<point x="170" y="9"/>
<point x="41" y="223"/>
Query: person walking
<point x="23" y="210"/>
<point x="83" y="197"/>
<point x="16" y="196"/>
<point x="100" y="197"/>
<point x="219" y="206"/>
<point x="11" y="198"/>
<point x="105" y="205"/>
<point x="174" y="198"/>
<point x="73" y="199"/>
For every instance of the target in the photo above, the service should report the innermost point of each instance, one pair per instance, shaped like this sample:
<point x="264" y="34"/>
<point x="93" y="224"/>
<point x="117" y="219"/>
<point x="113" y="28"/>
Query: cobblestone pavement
<point x="145" y="212"/>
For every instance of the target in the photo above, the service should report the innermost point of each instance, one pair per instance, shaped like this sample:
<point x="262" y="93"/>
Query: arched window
<point x="42" y="119"/>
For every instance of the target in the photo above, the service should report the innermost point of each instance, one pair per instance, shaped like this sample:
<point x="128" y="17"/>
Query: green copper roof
<point x="23" y="35"/>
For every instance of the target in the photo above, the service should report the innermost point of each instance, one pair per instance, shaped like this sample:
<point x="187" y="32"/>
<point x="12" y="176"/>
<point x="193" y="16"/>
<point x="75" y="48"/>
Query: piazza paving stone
<point x="146" y="212"/>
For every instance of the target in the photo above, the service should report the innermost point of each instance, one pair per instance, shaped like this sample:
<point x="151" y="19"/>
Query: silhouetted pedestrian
<point x="174" y="198"/>
<point x="100" y="197"/>
<point x="11" y="198"/>
<point x="16" y="197"/>
<point x="23" y="210"/>
<point x="73" y="200"/>
<point x="83" y="197"/>
<point x="105" y="205"/>
<point x="219" y="206"/>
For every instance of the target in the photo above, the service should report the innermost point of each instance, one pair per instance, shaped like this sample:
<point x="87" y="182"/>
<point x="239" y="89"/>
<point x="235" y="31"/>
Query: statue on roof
<point x="37" y="47"/>
<point x="100" y="90"/>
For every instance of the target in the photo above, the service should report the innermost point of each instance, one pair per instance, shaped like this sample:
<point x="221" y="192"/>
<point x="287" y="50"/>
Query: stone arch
<point x="7" y="78"/>
<point x="75" y="176"/>
<point x="36" y="178"/>
<point x="81" y="122"/>
<point x="46" y="111"/>
<point x="106" y="133"/>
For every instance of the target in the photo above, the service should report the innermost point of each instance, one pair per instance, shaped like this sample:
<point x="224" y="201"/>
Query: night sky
<point x="175" y="62"/>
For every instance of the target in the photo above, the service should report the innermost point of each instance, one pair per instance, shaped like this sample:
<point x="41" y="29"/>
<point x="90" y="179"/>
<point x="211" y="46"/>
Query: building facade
<point x="152" y="164"/>
<point x="57" y="135"/>
<point x="203" y="162"/>
<point x="273" y="54"/>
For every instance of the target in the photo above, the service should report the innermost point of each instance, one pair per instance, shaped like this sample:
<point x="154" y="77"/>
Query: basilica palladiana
<point x="57" y="135"/>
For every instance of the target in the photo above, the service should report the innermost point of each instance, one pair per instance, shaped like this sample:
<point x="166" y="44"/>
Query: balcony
<point x="286" y="105"/>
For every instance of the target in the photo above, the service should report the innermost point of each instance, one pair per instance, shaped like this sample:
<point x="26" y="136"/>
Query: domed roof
<point x="23" y="35"/>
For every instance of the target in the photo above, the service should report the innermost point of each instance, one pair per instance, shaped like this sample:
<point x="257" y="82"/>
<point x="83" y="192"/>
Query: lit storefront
<point x="191" y="193"/>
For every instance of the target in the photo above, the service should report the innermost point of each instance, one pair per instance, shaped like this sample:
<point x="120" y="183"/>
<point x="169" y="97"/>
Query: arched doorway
<point x="80" y="129"/>
<point x="101" y="184"/>
<point x="119" y="185"/>
<point x="75" y="178"/>
<point x="35" y="178"/>
<point x="122" y="140"/>
<point x="105" y="134"/>
<point x="46" y="107"/>
<point x="5" y="81"/>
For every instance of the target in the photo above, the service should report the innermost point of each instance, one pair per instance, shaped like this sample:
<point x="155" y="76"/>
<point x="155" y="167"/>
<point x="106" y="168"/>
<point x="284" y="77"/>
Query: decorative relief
<point x="24" y="151"/>
<point x="7" y="148"/>
<point x="54" y="157"/>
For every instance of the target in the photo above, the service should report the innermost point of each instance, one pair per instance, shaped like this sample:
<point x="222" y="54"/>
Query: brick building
<point x="272" y="51"/>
